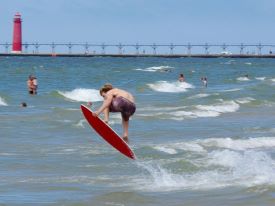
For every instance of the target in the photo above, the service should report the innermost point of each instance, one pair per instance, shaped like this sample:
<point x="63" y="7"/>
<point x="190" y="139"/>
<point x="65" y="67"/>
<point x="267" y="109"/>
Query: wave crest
<point x="171" y="87"/>
<point x="157" y="69"/>
<point x="82" y="95"/>
<point x="2" y="102"/>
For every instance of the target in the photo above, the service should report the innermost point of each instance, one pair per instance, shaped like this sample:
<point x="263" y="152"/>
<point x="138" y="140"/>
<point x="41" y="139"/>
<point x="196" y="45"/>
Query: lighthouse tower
<point x="17" y="34"/>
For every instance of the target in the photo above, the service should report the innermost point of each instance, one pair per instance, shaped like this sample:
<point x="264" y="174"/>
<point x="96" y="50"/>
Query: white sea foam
<point x="199" y="96"/>
<point x="273" y="80"/>
<point x="180" y="115"/>
<point x="82" y="95"/>
<point x="160" y="108"/>
<point x="200" y="146"/>
<point x="80" y="124"/>
<point x="195" y="112"/>
<point x="175" y="147"/>
<point x="260" y="78"/>
<point x="159" y="178"/>
<point x="157" y="69"/>
<point x="245" y="100"/>
<point x="225" y="107"/>
<point x="2" y="102"/>
<point x="165" y="149"/>
<point x="249" y="168"/>
<point x="171" y="87"/>
<point x="240" y="163"/>
<point x="232" y="90"/>
<point x="239" y="144"/>
<point x="243" y="79"/>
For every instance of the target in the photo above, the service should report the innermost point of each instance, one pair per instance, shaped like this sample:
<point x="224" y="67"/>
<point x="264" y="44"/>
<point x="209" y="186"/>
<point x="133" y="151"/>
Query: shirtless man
<point x="30" y="84"/>
<point x="117" y="100"/>
<point x="181" y="78"/>
<point x="35" y="85"/>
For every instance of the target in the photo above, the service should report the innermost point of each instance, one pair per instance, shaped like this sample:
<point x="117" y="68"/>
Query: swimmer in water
<point x="23" y="104"/>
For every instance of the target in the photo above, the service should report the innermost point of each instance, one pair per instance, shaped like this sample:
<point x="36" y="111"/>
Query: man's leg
<point x="125" y="125"/>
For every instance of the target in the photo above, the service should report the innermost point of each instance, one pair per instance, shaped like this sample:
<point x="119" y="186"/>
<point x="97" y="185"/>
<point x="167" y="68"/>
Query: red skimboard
<point x="107" y="133"/>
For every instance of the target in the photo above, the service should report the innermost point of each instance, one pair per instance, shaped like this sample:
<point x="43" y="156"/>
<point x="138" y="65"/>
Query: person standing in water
<point x="117" y="100"/>
<point x="35" y="85"/>
<point x="204" y="81"/>
<point x="181" y="78"/>
<point x="30" y="84"/>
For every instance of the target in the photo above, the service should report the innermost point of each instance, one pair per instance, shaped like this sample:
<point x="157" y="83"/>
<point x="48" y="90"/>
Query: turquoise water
<point x="195" y="145"/>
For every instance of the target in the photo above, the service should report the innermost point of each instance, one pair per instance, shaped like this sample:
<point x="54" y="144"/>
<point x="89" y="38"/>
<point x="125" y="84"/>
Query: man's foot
<point x="125" y="138"/>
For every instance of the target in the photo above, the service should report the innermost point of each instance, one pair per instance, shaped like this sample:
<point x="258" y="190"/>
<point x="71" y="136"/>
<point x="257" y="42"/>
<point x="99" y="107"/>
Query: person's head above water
<point x="23" y="104"/>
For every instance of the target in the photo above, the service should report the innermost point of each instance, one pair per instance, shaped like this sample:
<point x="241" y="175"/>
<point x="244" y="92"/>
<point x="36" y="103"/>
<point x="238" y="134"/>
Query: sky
<point x="141" y="21"/>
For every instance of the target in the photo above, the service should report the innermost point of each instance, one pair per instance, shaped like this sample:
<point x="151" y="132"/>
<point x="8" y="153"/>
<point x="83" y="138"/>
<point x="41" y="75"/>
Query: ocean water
<point x="195" y="146"/>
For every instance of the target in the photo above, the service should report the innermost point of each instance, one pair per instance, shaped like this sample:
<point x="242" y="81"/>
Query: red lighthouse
<point x="17" y="34"/>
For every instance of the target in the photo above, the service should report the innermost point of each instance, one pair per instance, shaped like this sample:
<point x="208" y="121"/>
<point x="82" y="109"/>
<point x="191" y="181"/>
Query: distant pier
<point x="141" y="50"/>
<point x="143" y="55"/>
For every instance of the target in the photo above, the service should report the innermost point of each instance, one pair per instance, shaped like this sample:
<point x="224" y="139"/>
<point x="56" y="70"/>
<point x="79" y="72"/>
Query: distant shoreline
<point x="142" y="55"/>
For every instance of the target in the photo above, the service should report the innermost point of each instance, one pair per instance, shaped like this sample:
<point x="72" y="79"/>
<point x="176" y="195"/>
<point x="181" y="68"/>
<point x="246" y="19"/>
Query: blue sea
<point x="195" y="146"/>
